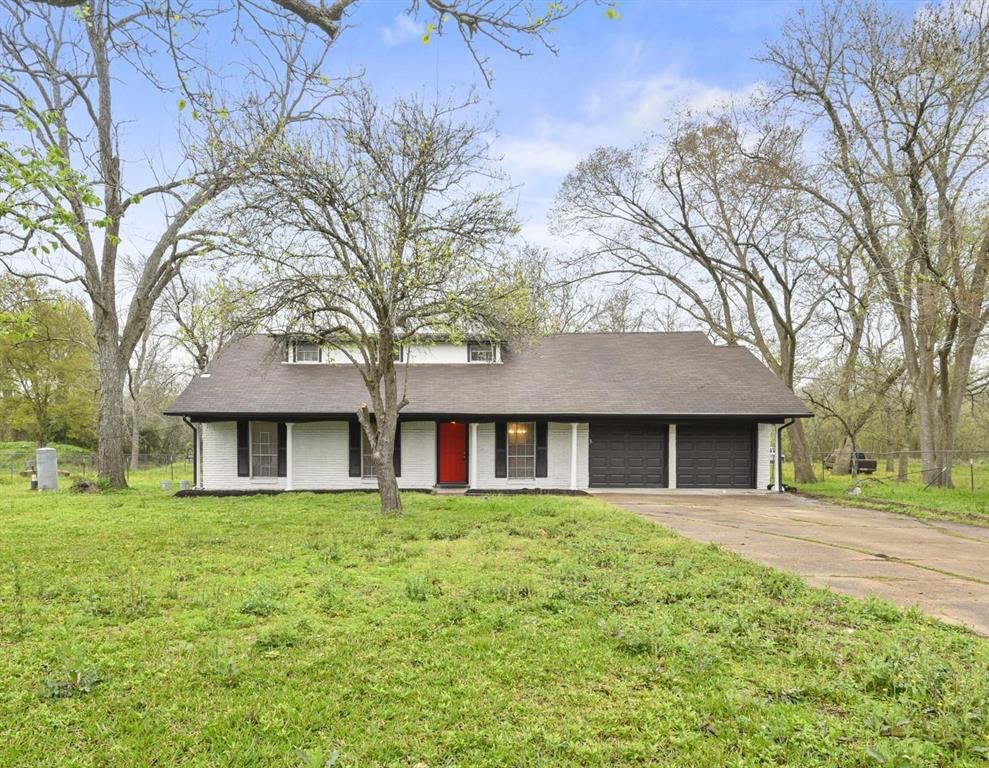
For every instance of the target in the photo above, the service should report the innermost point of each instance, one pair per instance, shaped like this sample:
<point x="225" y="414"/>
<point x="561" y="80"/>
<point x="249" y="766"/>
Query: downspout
<point x="195" y="451"/>
<point x="779" y="453"/>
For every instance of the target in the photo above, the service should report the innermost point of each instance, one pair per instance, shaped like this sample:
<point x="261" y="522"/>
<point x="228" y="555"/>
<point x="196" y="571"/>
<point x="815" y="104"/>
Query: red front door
<point x="453" y="452"/>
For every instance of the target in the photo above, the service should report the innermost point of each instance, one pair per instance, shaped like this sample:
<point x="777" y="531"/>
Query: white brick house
<point x="571" y="412"/>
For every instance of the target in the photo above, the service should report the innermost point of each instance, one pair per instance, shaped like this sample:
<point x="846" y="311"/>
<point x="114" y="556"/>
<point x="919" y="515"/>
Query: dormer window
<point x="306" y="352"/>
<point x="481" y="352"/>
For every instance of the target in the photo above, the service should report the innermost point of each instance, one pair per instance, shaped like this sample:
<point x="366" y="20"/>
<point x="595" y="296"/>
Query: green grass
<point x="29" y="447"/>
<point x="882" y="491"/>
<point x="305" y="630"/>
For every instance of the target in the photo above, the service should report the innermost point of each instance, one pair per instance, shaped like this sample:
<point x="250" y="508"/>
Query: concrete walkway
<point x="941" y="567"/>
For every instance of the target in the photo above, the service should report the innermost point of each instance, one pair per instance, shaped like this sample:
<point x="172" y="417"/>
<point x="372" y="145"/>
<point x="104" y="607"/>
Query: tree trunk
<point x="927" y="433"/>
<point x="843" y="458"/>
<point x="111" y="461"/>
<point x="903" y="470"/>
<point x="945" y="451"/>
<point x="383" y="389"/>
<point x="42" y="431"/>
<point x="135" y="439"/>
<point x="384" y="465"/>
<point x="391" y="499"/>
<point x="803" y="464"/>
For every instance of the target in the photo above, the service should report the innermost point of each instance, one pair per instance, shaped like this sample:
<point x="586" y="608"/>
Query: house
<point x="570" y="411"/>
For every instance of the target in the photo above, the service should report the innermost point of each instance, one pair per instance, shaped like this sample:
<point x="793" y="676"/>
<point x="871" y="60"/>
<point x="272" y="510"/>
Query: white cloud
<point x="539" y="158"/>
<point x="402" y="29"/>
<point x="538" y="154"/>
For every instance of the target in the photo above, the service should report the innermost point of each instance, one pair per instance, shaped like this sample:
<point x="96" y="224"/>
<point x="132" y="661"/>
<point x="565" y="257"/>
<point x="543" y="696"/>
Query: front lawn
<point x="307" y="630"/>
<point x="882" y="491"/>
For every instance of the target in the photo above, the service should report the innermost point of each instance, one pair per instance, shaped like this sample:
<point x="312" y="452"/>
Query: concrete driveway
<point x="941" y="567"/>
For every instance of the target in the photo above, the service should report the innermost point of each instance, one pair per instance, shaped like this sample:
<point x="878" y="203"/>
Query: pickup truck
<point x="865" y="466"/>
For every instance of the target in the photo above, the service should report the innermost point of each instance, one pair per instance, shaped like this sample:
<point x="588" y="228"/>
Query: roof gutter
<point x="779" y="454"/>
<point x="195" y="451"/>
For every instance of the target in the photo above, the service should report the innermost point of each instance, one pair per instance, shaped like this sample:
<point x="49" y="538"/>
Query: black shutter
<point x="282" y="450"/>
<point x="243" y="449"/>
<point x="285" y="350"/>
<point x="501" y="449"/>
<point x="355" y="449"/>
<point x="541" y="446"/>
<point x="397" y="454"/>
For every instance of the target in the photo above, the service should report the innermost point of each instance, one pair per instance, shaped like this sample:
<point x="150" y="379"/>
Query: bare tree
<point x="570" y="303"/>
<point x="71" y="196"/>
<point x="150" y="372"/>
<point x="385" y="226"/>
<point x="68" y="193"/>
<point x="692" y="213"/>
<point x="852" y="391"/>
<point x="511" y="25"/>
<point x="205" y="316"/>
<point x="901" y="104"/>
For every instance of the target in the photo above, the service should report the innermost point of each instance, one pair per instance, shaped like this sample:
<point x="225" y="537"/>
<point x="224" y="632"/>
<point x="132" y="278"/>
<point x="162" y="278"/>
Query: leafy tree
<point x="47" y="377"/>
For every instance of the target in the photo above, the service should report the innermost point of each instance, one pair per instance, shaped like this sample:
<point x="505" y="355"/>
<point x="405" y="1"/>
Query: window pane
<point x="479" y="352"/>
<point x="264" y="449"/>
<point x="521" y="449"/>
<point x="367" y="463"/>
<point x="306" y="352"/>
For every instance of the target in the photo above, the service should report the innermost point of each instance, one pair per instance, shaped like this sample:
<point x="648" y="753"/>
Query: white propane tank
<point x="47" y="469"/>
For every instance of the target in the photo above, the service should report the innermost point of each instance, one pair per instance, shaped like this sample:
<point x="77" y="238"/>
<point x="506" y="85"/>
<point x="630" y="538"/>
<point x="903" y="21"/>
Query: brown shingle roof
<point x="622" y="374"/>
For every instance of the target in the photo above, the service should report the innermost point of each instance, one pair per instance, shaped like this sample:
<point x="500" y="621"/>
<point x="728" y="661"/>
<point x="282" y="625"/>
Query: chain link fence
<point x="968" y="468"/>
<point x="18" y="466"/>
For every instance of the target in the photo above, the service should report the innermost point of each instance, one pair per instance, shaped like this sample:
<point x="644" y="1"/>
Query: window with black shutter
<point x="243" y="449"/>
<point x="397" y="454"/>
<point x="542" y="448"/>
<point x="355" y="449"/>
<point x="282" y="450"/>
<point x="367" y="461"/>
<point x="501" y="449"/>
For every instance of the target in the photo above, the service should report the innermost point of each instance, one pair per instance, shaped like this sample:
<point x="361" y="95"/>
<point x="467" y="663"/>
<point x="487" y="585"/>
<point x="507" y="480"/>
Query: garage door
<point x="715" y="455"/>
<point x="627" y="455"/>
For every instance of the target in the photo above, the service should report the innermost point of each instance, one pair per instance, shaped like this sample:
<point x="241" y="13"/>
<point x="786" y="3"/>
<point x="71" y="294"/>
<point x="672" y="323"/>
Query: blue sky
<point x="612" y="82"/>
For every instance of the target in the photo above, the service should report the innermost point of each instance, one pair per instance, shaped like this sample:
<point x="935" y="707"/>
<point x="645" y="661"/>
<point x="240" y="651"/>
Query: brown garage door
<point x="716" y="455"/>
<point x="627" y="455"/>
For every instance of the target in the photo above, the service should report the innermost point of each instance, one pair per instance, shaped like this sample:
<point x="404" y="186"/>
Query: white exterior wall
<point x="220" y="461"/>
<point x="320" y="458"/>
<point x="558" y="441"/>
<point x="418" y="454"/>
<point x="320" y="455"/>
<point x="763" y="455"/>
<point x="441" y="352"/>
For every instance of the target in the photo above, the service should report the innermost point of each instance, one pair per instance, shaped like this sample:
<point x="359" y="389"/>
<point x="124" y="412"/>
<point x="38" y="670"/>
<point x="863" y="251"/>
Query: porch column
<point x="573" y="456"/>
<point x="197" y="454"/>
<point x="472" y="452"/>
<point x="671" y="457"/>
<point x="288" y="455"/>
<point x="777" y="461"/>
